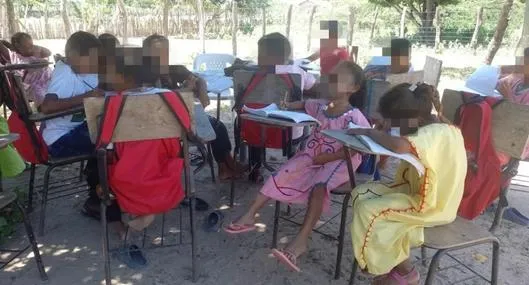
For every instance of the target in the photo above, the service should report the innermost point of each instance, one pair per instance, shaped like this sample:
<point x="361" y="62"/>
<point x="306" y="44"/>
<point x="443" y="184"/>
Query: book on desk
<point x="272" y="111"/>
<point x="366" y="144"/>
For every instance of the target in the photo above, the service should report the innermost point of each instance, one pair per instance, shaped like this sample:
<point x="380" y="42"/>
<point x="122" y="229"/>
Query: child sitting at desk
<point x="274" y="52"/>
<point x="389" y="220"/>
<point x="312" y="173"/>
<point x="399" y="62"/>
<point x="22" y="50"/>
<point x="329" y="53"/>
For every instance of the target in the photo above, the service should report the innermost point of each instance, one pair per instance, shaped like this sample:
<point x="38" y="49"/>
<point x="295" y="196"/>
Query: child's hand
<point x="319" y="159"/>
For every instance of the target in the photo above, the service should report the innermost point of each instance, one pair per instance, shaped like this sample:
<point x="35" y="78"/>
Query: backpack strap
<point x="466" y="98"/>
<point x="176" y="104"/>
<point x="111" y="113"/>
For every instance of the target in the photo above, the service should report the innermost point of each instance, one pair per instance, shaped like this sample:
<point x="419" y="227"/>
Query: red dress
<point x="329" y="58"/>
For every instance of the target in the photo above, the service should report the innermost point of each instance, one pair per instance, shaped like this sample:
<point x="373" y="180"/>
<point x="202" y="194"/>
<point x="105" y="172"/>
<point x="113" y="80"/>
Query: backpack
<point x="483" y="179"/>
<point x="145" y="176"/>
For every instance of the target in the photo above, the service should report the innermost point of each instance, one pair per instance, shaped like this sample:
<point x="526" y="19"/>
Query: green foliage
<point x="10" y="217"/>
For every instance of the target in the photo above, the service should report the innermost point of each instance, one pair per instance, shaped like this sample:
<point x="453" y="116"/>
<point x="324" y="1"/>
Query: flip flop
<point x="287" y="258"/>
<point x="412" y="278"/>
<point x="132" y="257"/>
<point x="213" y="222"/>
<point x="513" y="215"/>
<point x="239" y="229"/>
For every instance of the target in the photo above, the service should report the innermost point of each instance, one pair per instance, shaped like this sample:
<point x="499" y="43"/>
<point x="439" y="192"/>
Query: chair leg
<point x="44" y="200"/>
<point x="434" y="264"/>
<point x="32" y="242"/>
<point x="353" y="272"/>
<point x="193" y="242"/>
<point x="232" y="184"/>
<point x="81" y="170"/>
<point x="502" y="205"/>
<point x="106" y="254"/>
<point x="341" y="237"/>
<point x="31" y="188"/>
<point x="495" y="262"/>
<point x="423" y="256"/>
<point x="210" y="161"/>
<point x="276" y="224"/>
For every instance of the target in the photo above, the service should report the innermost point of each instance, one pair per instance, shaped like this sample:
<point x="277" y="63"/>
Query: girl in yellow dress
<point x="389" y="220"/>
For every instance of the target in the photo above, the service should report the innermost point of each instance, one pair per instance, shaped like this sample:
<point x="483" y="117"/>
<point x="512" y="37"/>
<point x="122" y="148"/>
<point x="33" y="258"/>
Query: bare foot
<point x="141" y="222"/>
<point x="297" y="248"/>
<point x="247" y="219"/>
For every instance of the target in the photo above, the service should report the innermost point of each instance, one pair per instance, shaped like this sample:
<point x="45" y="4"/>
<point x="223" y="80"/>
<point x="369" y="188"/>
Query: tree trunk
<point x="437" y="25"/>
<point x="479" y="22"/>
<point x="289" y="19"/>
<point x="12" y="23"/>
<point x="66" y="19"/>
<point x="200" y="10"/>
<point x="311" y="19"/>
<point x="429" y="13"/>
<point x="503" y="22"/>
<point x="377" y="10"/>
<point x="351" y="28"/>
<point x="263" y="11"/>
<point x="523" y="42"/>
<point x="123" y="15"/>
<point x="166" y="8"/>
<point x="234" y="27"/>
<point x="46" y="22"/>
<point x="3" y="23"/>
<point x="403" y="22"/>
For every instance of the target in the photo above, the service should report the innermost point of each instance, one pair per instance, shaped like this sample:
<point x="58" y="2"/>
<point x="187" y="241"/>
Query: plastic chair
<point x="212" y="62"/>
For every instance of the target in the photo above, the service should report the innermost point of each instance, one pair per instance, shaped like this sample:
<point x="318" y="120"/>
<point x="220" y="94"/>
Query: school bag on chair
<point x="145" y="176"/>
<point x="483" y="180"/>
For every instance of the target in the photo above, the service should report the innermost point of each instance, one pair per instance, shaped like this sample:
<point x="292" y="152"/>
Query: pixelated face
<point x="25" y="47"/>
<point x="328" y="34"/>
<point x="339" y="83"/>
<point x="85" y="63"/>
<point x="402" y="126"/>
<point x="400" y="63"/>
<point x="157" y="55"/>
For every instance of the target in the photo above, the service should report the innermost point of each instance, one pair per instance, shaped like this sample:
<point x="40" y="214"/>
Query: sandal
<point x="412" y="278"/>
<point x="239" y="229"/>
<point x="287" y="258"/>
<point x="132" y="257"/>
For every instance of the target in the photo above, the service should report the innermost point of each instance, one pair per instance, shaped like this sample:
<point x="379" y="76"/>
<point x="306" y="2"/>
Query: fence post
<point x="377" y="10"/>
<point x="166" y="9"/>
<point x="437" y="25"/>
<point x="234" y="27"/>
<point x="351" y="26"/>
<point x="403" y="21"/>
<point x="263" y="11"/>
<point x="123" y="14"/>
<point x="311" y="19"/>
<point x="201" y="31"/>
<point x="65" y="18"/>
<point x="289" y="18"/>
<point x="479" y="22"/>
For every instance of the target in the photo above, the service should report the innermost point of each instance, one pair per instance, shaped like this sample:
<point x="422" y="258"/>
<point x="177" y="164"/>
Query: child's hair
<point x="331" y="26"/>
<point x="400" y="47"/>
<point x="17" y="38"/>
<point x="81" y="42"/>
<point x="274" y="44"/>
<point x="154" y="38"/>
<point x="407" y="101"/>
<point x="108" y="41"/>
<point x="358" y="98"/>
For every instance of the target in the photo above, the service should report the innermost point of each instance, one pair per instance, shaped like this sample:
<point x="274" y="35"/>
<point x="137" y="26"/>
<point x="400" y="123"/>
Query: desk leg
<point x="218" y="106"/>
<point x="350" y="167"/>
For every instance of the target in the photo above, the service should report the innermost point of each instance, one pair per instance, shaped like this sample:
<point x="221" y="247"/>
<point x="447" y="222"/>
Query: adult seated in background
<point x="515" y="86"/>
<point x="75" y="78"/>
<point x="22" y="50"/>
<point x="156" y="53"/>
<point x="329" y="53"/>
<point x="399" y="62"/>
<point x="274" y="53"/>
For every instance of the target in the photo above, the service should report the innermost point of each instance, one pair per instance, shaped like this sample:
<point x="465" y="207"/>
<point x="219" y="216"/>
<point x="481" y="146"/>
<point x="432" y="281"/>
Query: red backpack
<point x="145" y="176"/>
<point x="251" y="131"/>
<point x="483" y="180"/>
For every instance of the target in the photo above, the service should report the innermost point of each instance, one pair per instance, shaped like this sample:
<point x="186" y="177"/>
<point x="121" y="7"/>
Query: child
<point x="400" y="61"/>
<point x="329" y="53"/>
<point x="274" y="53"/>
<point x="22" y="50"/>
<point x="312" y="173"/>
<point x="389" y="220"/>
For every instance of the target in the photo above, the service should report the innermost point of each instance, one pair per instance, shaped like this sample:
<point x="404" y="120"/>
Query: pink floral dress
<point x="294" y="181"/>
<point x="35" y="80"/>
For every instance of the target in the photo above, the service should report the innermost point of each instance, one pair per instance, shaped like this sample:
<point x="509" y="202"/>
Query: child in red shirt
<point x="329" y="53"/>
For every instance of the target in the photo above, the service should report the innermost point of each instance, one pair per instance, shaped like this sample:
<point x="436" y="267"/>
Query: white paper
<point x="378" y="149"/>
<point x="273" y="111"/>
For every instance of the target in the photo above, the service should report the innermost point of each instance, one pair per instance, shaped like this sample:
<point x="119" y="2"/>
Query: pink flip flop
<point x="287" y="258"/>
<point x="239" y="229"/>
<point x="412" y="278"/>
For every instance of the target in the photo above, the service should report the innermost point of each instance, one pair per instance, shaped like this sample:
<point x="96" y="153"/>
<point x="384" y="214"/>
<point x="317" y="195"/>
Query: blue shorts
<point x="76" y="142"/>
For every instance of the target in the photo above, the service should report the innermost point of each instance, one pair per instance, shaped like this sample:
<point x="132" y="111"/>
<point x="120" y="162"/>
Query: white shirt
<point x="65" y="83"/>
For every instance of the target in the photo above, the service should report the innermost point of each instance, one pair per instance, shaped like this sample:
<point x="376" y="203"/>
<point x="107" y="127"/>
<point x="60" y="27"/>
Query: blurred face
<point x="25" y="47"/>
<point x="85" y="63"/>
<point x="340" y="83"/>
<point x="400" y="64"/>
<point x="402" y="127"/>
<point x="158" y="54"/>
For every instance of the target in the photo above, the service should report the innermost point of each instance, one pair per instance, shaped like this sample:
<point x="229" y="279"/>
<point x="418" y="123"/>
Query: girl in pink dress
<point x="311" y="174"/>
<point x="22" y="50"/>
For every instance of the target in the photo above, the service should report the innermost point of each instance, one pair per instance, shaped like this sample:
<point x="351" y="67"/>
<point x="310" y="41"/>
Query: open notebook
<point x="378" y="149"/>
<point x="273" y="111"/>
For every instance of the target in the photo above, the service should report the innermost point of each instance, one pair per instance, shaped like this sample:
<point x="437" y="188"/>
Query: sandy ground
<point x="71" y="247"/>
